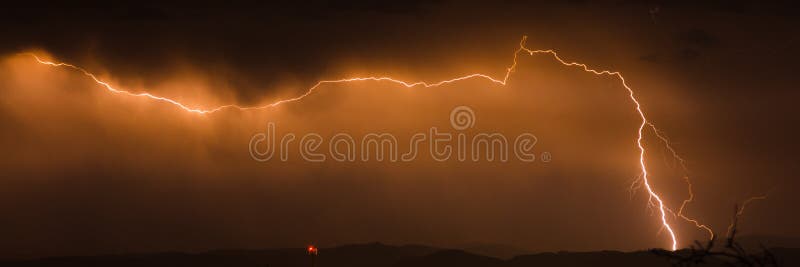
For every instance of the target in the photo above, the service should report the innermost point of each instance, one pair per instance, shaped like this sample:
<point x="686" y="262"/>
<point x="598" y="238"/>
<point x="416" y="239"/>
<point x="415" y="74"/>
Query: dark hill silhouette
<point x="499" y="251"/>
<point x="369" y="255"/>
<point x="600" y="258"/>
<point x="451" y="258"/>
<point x="372" y="255"/>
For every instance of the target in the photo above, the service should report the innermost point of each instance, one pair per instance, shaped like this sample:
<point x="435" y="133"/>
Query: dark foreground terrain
<point x="373" y="255"/>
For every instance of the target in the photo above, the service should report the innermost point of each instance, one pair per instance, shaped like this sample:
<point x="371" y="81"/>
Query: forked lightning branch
<point x="263" y="146"/>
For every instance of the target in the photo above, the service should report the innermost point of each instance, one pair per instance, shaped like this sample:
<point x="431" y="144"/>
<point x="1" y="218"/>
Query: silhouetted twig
<point x="730" y="254"/>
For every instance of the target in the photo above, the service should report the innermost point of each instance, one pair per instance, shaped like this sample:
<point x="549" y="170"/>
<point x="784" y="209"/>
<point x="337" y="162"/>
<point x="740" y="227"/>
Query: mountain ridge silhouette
<point x="370" y="254"/>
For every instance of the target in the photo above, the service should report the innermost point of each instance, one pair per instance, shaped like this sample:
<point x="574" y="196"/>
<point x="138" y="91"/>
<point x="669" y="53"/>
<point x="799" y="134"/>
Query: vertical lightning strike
<point x="645" y="181"/>
<point x="662" y="207"/>
<point x="668" y="145"/>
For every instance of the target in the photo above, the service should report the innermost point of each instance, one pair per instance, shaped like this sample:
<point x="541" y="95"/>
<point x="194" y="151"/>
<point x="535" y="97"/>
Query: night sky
<point x="84" y="171"/>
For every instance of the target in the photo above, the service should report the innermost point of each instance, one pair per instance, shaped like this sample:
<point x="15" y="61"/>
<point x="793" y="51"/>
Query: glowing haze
<point x="662" y="209"/>
<point x="133" y="135"/>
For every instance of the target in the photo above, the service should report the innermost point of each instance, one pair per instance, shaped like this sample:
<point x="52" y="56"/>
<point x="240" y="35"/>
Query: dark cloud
<point x="652" y="58"/>
<point x="689" y="54"/>
<point x="698" y="37"/>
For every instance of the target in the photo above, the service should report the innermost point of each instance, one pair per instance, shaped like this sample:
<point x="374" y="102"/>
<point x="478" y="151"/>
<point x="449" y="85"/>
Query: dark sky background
<point x="83" y="171"/>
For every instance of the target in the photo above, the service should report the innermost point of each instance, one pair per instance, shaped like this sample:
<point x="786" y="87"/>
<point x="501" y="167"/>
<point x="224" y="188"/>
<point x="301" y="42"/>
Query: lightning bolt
<point x="682" y="162"/>
<point x="644" y="177"/>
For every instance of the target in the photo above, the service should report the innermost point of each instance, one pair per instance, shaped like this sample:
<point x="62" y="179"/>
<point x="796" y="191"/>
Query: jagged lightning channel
<point x="645" y="123"/>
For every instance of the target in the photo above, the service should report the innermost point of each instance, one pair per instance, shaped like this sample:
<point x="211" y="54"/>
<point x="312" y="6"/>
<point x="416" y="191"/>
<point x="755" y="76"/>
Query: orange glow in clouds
<point x="655" y="200"/>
